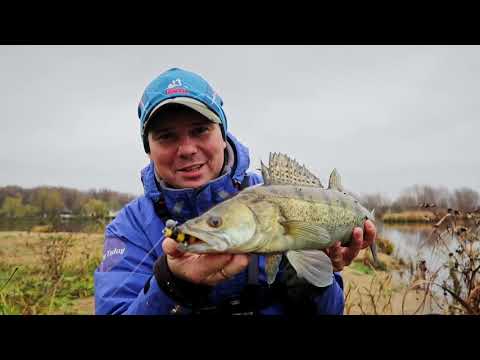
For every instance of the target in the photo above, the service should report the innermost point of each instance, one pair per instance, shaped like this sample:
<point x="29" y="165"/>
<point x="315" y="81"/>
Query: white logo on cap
<point x="175" y="83"/>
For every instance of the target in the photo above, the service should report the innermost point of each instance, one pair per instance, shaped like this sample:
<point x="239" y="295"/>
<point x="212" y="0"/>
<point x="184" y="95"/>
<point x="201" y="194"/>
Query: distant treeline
<point x="425" y="197"/>
<point x="16" y="201"/>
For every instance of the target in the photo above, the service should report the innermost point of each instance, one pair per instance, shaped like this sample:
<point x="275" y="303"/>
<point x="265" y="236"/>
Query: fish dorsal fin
<point x="283" y="170"/>
<point x="265" y="174"/>
<point x="335" y="181"/>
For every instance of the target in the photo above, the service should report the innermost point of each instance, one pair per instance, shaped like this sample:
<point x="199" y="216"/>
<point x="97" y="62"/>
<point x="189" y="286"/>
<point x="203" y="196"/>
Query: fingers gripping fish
<point x="291" y="214"/>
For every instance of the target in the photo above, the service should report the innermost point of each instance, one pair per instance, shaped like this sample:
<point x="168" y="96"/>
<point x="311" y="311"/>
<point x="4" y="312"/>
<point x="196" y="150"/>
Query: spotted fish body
<point x="336" y="212"/>
<point x="291" y="213"/>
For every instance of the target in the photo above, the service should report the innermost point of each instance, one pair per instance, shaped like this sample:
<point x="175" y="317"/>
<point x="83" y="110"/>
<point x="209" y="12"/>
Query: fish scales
<point x="334" y="210"/>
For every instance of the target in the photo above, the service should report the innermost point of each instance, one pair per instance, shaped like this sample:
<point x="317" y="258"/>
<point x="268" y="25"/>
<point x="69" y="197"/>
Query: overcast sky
<point x="387" y="117"/>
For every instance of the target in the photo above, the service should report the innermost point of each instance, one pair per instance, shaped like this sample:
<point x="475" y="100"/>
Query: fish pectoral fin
<point x="272" y="264"/>
<point x="312" y="265"/>
<point x="308" y="232"/>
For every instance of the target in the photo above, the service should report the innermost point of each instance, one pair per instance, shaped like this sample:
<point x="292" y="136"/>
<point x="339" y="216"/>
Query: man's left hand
<point x="342" y="256"/>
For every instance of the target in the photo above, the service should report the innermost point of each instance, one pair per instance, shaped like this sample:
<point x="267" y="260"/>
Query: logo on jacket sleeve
<point x="114" y="251"/>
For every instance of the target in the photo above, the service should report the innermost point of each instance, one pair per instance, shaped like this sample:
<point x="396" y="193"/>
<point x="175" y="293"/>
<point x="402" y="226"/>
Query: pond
<point x="414" y="243"/>
<point x="420" y="242"/>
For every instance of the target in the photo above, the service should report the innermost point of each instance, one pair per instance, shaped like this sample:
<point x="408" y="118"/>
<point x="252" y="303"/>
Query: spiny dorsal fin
<point x="335" y="182"/>
<point x="283" y="170"/>
<point x="265" y="174"/>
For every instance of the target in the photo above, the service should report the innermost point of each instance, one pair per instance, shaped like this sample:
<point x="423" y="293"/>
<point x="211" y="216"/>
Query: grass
<point x="384" y="245"/>
<point x="417" y="216"/>
<point x="54" y="275"/>
<point x="457" y="280"/>
<point x="54" y="271"/>
<point x="371" y="290"/>
<point x="372" y="298"/>
<point x="361" y="268"/>
<point x="452" y="287"/>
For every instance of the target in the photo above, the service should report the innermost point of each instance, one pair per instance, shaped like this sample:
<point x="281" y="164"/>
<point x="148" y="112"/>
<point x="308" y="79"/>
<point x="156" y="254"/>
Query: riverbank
<point x="51" y="273"/>
<point x="428" y="216"/>
<point x="54" y="276"/>
<point x="380" y="292"/>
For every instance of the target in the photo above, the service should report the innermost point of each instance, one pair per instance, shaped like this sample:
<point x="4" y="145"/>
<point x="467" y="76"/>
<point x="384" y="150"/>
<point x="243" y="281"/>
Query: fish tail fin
<point x="373" y="248"/>
<point x="312" y="265"/>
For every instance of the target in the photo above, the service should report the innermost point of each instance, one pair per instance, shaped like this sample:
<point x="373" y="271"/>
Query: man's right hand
<point x="206" y="269"/>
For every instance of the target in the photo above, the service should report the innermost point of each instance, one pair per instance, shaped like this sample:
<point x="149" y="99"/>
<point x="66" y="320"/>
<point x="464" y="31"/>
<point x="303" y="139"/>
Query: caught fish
<point x="291" y="213"/>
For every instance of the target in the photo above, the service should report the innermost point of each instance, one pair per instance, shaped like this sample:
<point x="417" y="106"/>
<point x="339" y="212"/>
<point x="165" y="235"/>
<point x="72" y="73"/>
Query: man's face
<point x="186" y="149"/>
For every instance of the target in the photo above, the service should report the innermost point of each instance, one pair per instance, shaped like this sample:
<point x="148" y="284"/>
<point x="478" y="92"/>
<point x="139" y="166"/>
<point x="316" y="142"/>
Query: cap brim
<point x="193" y="104"/>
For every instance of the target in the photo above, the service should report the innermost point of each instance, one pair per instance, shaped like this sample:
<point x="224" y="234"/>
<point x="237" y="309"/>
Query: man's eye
<point x="163" y="136"/>
<point x="200" y="130"/>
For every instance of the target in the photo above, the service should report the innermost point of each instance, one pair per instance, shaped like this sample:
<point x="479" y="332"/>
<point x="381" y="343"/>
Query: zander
<point x="291" y="213"/>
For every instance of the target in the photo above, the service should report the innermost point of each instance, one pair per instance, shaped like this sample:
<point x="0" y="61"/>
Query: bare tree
<point x="465" y="199"/>
<point x="376" y="201"/>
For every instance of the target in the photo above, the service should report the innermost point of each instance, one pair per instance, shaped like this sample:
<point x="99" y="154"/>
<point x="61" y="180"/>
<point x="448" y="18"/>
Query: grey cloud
<point x="386" y="116"/>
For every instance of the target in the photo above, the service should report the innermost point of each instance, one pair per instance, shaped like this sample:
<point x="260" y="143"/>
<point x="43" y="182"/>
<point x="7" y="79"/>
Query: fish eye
<point x="214" y="221"/>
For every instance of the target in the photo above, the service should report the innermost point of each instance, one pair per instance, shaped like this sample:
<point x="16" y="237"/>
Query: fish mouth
<point x="199" y="241"/>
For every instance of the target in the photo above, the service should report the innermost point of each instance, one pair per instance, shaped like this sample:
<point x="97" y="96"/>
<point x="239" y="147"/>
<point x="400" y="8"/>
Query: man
<point x="195" y="164"/>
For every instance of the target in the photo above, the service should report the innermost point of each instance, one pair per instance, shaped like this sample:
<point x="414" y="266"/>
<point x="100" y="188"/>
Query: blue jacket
<point x="124" y="281"/>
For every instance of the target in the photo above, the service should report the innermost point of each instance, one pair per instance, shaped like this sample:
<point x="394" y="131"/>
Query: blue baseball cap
<point x="181" y="87"/>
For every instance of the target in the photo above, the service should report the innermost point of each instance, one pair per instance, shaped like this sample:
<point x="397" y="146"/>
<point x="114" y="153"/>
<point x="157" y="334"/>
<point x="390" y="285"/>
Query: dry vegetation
<point x="52" y="273"/>
<point x="371" y="290"/>
<point x="409" y="217"/>
<point x="48" y="273"/>
<point x="453" y="287"/>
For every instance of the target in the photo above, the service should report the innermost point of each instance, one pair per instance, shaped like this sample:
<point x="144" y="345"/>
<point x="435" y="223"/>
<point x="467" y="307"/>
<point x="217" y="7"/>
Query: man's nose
<point x="187" y="147"/>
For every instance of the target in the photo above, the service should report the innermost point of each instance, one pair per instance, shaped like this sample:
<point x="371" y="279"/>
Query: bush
<point x="384" y="245"/>
<point x="417" y="216"/>
<point x="42" y="228"/>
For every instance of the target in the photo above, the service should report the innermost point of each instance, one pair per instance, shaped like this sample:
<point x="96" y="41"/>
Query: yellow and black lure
<point x="171" y="231"/>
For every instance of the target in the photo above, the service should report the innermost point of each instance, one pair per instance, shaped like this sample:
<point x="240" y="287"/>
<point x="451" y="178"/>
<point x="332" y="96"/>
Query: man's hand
<point x="342" y="256"/>
<point x="207" y="269"/>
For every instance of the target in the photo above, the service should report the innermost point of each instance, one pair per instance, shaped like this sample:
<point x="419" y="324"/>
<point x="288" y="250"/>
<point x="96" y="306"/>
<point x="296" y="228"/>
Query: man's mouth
<point x="191" y="168"/>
